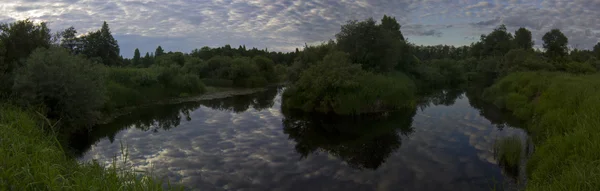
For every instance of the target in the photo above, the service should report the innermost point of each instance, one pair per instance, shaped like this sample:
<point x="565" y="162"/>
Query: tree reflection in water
<point x="362" y="142"/>
<point x="165" y="117"/>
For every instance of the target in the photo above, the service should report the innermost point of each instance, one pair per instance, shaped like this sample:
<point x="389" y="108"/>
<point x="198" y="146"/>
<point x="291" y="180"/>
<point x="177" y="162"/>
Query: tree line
<point x="77" y="80"/>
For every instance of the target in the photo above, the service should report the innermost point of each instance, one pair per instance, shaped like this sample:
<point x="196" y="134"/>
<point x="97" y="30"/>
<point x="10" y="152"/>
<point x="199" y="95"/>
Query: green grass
<point x="31" y="159"/>
<point x="508" y="153"/>
<point x="563" y="114"/>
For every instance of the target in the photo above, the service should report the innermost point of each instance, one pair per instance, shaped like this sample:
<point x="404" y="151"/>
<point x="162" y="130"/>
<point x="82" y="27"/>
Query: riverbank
<point x="33" y="159"/>
<point x="563" y="115"/>
<point x="212" y="93"/>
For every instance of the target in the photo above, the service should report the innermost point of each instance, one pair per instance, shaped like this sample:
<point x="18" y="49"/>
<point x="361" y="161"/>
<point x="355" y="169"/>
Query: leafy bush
<point x="579" y="67"/>
<point x="134" y="86"/>
<point x="336" y="86"/>
<point x="217" y="82"/>
<point x="70" y="87"/>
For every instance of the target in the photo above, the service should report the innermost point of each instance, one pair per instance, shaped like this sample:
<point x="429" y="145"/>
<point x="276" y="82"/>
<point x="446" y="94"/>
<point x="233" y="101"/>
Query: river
<point x="247" y="143"/>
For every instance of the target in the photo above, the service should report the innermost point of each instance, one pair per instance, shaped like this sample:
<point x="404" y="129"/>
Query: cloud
<point x="481" y="4"/>
<point x="249" y="150"/>
<point x="287" y="24"/>
<point x="487" y="23"/>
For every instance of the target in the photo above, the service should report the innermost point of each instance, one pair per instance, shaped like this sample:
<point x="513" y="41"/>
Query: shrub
<point x="217" y="82"/>
<point x="336" y="86"/>
<point x="579" y="68"/>
<point x="70" y="87"/>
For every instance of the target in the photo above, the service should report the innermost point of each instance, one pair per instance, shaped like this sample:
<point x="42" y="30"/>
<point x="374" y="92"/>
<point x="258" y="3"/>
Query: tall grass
<point x="563" y="111"/>
<point x="508" y="153"/>
<point x="30" y="159"/>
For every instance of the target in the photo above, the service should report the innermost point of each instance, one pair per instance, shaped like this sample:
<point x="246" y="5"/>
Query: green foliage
<point x="508" y="153"/>
<point x="22" y="38"/>
<point x="563" y="114"/>
<point x="337" y="86"/>
<point x="555" y="43"/>
<point x="375" y="47"/>
<point x="310" y="56"/>
<point x="136" y="61"/>
<point x="522" y="60"/>
<point x="102" y="45"/>
<point x="159" y="51"/>
<point x="596" y="51"/>
<point x="266" y="67"/>
<point x="33" y="160"/>
<point x="134" y="86"/>
<point x="71" y="88"/>
<point x="497" y="43"/>
<point x="578" y="67"/>
<point x="440" y="73"/>
<point x="390" y="24"/>
<point x="17" y="41"/>
<point x="523" y="39"/>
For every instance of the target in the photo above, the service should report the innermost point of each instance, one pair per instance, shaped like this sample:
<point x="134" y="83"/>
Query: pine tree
<point x="159" y="51"/>
<point x="136" y="57"/>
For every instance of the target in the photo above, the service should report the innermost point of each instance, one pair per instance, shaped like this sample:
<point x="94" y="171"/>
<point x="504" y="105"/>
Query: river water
<point x="247" y="143"/>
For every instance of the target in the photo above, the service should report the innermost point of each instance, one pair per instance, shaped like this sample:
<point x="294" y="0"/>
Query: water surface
<point x="248" y="143"/>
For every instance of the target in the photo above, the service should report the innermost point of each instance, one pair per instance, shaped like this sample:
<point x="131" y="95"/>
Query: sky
<point x="283" y="25"/>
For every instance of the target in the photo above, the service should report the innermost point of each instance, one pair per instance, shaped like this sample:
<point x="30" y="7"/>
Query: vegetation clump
<point x="508" y="153"/>
<point x="30" y="159"/>
<point x="337" y="86"/>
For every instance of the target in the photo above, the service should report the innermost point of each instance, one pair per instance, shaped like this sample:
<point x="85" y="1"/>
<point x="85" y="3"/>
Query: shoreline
<point x="219" y="94"/>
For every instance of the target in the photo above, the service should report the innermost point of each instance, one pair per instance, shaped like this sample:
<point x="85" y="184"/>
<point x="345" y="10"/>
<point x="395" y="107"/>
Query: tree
<point x="390" y="24"/>
<point x="21" y="38"/>
<point x="70" y="87"/>
<point x="523" y="39"/>
<point x="69" y="40"/>
<point x="497" y="43"/>
<point x="101" y="44"/>
<point x="555" y="43"/>
<point x="159" y="51"/>
<point x="370" y="45"/>
<point x="147" y="60"/>
<point x="136" y="57"/>
<point x="597" y="51"/>
<point x="17" y="41"/>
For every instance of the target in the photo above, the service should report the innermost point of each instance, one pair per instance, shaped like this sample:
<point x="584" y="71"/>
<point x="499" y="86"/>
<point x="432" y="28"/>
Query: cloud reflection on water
<point x="219" y="148"/>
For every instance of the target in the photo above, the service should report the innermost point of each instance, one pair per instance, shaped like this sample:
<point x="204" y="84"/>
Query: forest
<point x="55" y="83"/>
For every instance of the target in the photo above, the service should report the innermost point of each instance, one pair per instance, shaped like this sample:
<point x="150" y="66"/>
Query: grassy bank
<point x="563" y="114"/>
<point x="30" y="159"/>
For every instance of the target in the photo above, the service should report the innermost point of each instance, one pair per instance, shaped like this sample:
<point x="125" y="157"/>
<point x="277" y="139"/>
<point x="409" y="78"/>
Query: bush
<point x="336" y="86"/>
<point x="579" y="68"/>
<point x="217" y="82"/>
<point x="70" y="87"/>
<point x="134" y="86"/>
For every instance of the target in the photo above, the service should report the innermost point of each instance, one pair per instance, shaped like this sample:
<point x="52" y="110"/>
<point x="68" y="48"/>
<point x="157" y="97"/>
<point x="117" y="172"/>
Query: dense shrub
<point x="578" y="67"/>
<point x="336" y="86"/>
<point x="133" y="86"/>
<point x="70" y="87"/>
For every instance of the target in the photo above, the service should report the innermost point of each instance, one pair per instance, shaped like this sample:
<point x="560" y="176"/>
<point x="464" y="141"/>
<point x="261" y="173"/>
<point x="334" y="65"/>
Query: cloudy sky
<point x="283" y="25"/>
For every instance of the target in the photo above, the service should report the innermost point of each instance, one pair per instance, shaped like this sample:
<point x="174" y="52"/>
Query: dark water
<point x="248" y="143"/>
